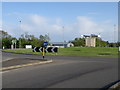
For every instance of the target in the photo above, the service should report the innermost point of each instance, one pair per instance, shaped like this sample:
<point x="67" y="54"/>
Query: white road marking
<point x="4" y="72"/>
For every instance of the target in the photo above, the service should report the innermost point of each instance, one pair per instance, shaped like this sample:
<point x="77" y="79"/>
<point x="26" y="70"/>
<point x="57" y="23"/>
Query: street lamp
<point x="63" y="35"/>
<point x="99" y="39"/>
<point x="20" y="39"/>
<point x="114" y="34"/>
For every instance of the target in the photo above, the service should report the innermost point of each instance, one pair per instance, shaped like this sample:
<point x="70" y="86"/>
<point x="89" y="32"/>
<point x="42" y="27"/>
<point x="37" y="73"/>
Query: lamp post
<point x="114" y="34"/>
<point x="48" y="37"/>
<point x="63" y="35"/>
<point x="99" y="39"/>
<point x="20" y="39"/>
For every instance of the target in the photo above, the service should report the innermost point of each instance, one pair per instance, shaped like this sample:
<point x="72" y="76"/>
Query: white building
<point x="28" y="46"/>
<point x="90" y="40"/>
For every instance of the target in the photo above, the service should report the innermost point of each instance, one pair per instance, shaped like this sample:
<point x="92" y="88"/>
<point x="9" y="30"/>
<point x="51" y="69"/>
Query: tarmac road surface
<point x="64" y="72"/>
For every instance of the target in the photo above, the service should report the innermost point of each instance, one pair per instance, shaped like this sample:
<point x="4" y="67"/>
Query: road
<point x="64" y="72"/>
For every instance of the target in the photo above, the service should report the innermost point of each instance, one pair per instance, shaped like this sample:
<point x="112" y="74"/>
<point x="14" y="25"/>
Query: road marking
<point x="24" y="65"/>
<point x="4" y="72"/>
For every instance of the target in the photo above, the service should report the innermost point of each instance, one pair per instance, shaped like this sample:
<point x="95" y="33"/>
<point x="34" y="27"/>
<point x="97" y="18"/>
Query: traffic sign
<point x="13" y="41"/>
<point x="38" y="49"/>
<point x="45" y="44"/>
<point x="47" y="49"/>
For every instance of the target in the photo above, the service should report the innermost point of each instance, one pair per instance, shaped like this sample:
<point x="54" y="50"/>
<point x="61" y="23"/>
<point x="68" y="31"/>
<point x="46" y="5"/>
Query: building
<point x="90" y="40"/>
<point x="70" y="45"/>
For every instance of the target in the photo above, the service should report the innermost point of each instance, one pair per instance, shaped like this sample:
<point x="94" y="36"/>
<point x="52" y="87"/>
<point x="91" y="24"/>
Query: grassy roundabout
<point x="75" y="51"/>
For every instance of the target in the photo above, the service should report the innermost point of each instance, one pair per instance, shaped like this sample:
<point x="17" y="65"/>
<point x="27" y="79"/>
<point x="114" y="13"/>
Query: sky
<point x="62" y="21"/>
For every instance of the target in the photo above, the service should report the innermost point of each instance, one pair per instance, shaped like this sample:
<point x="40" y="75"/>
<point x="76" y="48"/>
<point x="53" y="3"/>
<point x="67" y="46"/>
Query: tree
<point x="6" y="39"/>
<point x="47" y="38"/>
<point x="79" y="42"/>
<point x="101" y="43"/>
<point x="27" y="39"/>
<point x="4" y="34"/>
<point x="6" y="42"/>
<point x="41" y="38"/>
<point x="44" y="38"/>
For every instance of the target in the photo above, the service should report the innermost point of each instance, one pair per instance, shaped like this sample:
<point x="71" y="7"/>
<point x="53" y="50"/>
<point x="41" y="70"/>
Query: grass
<point x="75" y="51"/>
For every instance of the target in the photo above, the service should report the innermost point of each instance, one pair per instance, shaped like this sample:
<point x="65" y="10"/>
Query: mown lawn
<point x="76" y="51"/>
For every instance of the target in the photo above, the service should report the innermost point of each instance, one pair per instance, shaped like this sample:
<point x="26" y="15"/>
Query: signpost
<point x="45" y="49"/>
<point x="45" y="44"/>
<point x="43" y="53"/>
<point x="13" y="42"/>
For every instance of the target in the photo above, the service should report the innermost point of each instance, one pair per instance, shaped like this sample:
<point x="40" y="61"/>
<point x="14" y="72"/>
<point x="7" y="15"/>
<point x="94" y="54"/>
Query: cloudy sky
<point x="61" y="19"/>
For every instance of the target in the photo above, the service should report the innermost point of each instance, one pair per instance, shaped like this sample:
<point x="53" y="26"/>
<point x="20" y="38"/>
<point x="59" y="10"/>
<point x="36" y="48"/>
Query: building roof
<point x="92" y="35"/>
<point x="59" y="42"/>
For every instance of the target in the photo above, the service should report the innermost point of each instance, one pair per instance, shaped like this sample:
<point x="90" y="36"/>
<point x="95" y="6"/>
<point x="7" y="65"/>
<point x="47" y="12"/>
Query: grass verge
<point x="75" y="51"/>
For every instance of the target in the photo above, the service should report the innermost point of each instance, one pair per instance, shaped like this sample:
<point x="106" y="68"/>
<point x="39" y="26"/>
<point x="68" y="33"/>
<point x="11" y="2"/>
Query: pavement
<point x="64" y="72"/>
